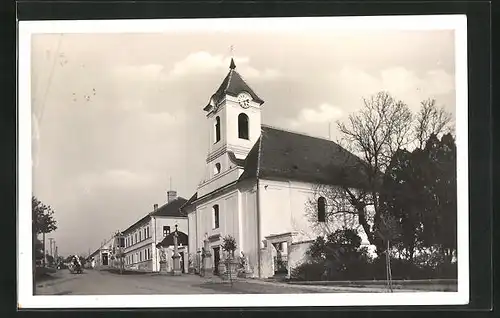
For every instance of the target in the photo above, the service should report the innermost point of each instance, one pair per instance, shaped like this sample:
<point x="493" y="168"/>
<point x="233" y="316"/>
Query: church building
<point x="257" y="182"/>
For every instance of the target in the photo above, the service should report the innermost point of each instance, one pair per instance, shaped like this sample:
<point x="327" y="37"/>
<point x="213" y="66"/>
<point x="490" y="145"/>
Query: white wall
<point x="228" y="219"/>
<point x="248" y="212"/>
<point x="284" y="209"/>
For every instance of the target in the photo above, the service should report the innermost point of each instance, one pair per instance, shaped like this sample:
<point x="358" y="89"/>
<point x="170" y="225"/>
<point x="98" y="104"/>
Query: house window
<point x="217" y="168"/>
<point x="321" y="209"/>
<point x="217" y="129"/>
<point x="147" y="231"/>
<point x="135" y="239"/>
<point x="140" y="236"/>
<point x="166" y="230"/>
<point x="243" y="126"/>
<point x="145" y="234"/>
<point x="215" y="209"/>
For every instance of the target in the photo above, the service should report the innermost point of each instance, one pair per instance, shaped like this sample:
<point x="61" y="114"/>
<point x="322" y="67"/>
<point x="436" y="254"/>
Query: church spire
<point x="233" y="65"/>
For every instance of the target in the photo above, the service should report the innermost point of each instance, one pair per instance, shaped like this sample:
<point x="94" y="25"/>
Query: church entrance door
<point x="216" y="260"/>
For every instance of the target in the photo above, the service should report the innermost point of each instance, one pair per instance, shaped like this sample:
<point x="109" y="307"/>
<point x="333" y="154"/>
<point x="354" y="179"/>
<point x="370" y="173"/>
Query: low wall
<point x="297" y="253"/>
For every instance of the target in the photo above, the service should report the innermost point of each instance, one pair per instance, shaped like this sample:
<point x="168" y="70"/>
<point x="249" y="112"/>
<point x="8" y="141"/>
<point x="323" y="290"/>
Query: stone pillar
<point x="207" y="260"/>
<point x="176" y="271"/>
<point x="163" y="261"/>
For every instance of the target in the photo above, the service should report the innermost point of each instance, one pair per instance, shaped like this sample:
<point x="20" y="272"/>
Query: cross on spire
<point x="232" y="65"/>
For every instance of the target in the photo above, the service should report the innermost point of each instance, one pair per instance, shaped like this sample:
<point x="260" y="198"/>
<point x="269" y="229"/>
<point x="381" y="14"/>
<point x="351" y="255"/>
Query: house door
<point x="216" y="259"/>
<point x="105" y="259"/>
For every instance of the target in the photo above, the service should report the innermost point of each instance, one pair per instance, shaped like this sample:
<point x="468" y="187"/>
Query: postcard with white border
<point x="243" y="162"/>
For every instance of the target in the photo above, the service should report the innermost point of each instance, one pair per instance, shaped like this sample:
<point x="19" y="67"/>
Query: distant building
<point x="102" y="257"/>
<point x="142" y="237"/>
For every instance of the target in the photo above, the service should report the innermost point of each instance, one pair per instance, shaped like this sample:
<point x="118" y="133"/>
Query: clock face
<point x="244" y="100"/>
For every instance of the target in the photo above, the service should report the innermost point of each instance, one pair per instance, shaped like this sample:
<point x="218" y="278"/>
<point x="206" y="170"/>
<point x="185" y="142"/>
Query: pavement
<point x="95" y="282"/>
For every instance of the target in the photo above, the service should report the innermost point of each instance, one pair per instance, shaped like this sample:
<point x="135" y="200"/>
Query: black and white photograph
<point x="243" y="162"/>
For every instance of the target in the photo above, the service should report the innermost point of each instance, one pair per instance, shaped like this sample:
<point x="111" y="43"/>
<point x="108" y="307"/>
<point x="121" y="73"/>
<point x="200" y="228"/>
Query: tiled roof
<point x="280" y="154"/>
<point x="232" y="85"/>
<point x="168" y="209"/>
<point x="169" y="239"/>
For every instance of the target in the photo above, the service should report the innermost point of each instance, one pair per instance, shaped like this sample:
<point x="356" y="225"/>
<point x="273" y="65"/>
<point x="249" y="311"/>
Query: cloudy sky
<point x="115" y="116"/>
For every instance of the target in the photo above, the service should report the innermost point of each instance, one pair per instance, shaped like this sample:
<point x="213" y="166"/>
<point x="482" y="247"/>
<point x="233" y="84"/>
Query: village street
<point x="94" y="282"/>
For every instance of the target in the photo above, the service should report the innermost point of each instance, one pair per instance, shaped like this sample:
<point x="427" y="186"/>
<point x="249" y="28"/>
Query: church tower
<point x="234" y="112"/>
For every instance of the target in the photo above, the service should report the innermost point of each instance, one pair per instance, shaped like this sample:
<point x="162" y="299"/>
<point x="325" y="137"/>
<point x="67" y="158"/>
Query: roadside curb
<point x="332" y="288"/>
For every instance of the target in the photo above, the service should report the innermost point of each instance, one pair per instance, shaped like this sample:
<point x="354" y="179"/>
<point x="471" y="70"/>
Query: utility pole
<point x="44" y="256"/>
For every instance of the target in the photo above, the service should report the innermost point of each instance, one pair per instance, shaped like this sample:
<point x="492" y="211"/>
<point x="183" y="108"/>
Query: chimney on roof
<point x="171" y="196"/>
<point x="155" y="206"/>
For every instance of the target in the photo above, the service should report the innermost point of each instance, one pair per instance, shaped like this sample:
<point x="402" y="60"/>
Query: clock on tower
<point x="244" y="99"/>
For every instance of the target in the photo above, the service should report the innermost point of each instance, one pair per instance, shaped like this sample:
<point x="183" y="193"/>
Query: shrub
<point x="312" y="270"/>
<point x="229" y="244"/>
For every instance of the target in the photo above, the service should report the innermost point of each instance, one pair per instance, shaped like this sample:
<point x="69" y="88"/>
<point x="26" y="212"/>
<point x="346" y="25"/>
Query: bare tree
<point x="383" y="126"/>
<point x="431" y="120"/>
<point x="338" y="210"/>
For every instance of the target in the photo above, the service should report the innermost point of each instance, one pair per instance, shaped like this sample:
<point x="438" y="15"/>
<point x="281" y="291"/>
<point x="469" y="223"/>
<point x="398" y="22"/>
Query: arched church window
<point x="321" y="209"/>
<point x="243" y="126"/>
<point x="217" y="129"/>
<point x="215" y="209"/>
<point x="217" y="168"/>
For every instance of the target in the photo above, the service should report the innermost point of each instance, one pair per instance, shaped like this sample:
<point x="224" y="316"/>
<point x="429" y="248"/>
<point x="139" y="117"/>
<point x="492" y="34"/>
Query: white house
<point x="257" y="182"/>
<point x="101" y="258"/>
<point x="142" y="237"/>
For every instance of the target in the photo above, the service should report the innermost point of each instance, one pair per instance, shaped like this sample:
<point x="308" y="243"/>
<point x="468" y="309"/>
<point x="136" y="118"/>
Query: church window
<point x="217" y="168"/>
<point x="217" y="129"/>
<point x="166" y="230"/>
<point x="321" y="209"/>
<point x="215" y="209"/>
<point x="243" y="126"/>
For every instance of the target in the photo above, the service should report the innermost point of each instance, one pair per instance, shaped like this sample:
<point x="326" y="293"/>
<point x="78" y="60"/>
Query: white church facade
<point x="257" y="183"/>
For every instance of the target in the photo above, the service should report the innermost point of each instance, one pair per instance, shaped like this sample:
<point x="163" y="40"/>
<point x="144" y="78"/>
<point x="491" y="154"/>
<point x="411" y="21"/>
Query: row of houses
<point x="258" y="187"/>
<point x="140" y="246"/>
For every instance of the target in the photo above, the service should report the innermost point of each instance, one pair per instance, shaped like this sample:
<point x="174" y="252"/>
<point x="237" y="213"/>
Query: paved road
<point x="93" y="282"/>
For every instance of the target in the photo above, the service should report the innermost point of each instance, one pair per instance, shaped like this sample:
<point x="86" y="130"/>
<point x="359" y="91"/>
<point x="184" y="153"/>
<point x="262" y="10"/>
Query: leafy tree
<point x="42" y="222"/>
<point x="229" y="245"/>
<point x="420" y="193"/>
<point x="440" y="215"/>
<point x="43" y="217"/>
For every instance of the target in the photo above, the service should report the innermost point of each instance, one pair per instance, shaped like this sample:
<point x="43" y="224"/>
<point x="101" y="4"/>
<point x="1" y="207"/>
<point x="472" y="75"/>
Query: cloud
<point x="322" y="114"/>
<point x="203" y="62"/>
<point x="400" y="82"/>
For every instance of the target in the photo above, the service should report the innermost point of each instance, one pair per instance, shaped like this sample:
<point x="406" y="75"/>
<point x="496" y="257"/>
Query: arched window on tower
<point x="217" y="168"/>
<point x="321" y="209"/>
<point x="217" y="129"/>
<point x="243" y="126"/>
